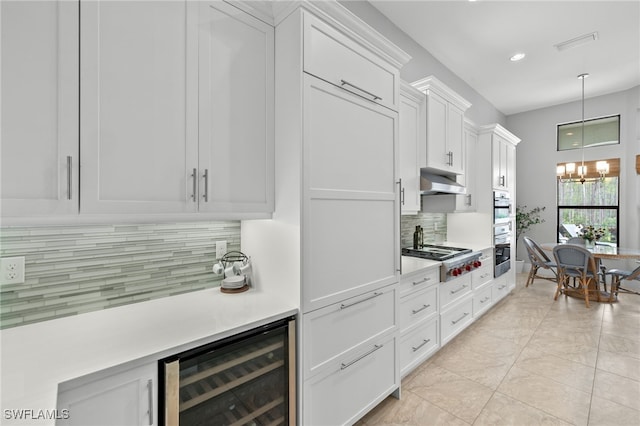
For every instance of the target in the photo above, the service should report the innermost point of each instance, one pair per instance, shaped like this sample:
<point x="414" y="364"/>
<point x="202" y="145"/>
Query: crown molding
<point x="431" y="83"/>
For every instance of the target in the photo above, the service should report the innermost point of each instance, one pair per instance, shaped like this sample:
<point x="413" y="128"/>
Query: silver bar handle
<point x="502" y="286"/>
<point x="346" y="83"/>
<point x="348" y="305"/>
<point x="69" y="176"/>
<point x="150" y="388"/>
<point x="468" y="199"/>
<point x="364" y="355"/>
<point x="424" y="342"/>
<point x="485" y="299"/>
<point x="458" y="290"/>
<point x="424" y="280"/>
<point x="460" y="319"/>
<point x="194" y="175"/>
<point x="206" y="185"/>
<point x="399" y="182"/>
<point x="415" y="311"/>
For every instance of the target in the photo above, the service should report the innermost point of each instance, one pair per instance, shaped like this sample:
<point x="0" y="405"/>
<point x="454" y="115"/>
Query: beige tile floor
<point x="529" y="361"/>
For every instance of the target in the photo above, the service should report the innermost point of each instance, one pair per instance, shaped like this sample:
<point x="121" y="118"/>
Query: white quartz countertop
<point x="36" y="358"/>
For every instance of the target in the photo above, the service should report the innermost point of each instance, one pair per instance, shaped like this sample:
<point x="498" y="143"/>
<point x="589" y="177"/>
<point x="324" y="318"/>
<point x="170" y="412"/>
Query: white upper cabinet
<point x="137" y="128"/>
<point x="169" y="104"/>
<point x="467" y="202"/>
<point x="412" y="128"/>
<point x="343" y="62"/>
<point x="444" y="115"/>
<point x="236" y="107"/>
<point x="39" y="108"/>
<point x="503" y="156"/>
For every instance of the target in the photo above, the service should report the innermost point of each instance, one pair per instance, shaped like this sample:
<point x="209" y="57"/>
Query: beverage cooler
<point x="247" y="379"/>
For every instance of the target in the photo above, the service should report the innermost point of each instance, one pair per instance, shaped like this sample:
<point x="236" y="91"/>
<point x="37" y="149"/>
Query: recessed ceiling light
<point x="517" y="57"/>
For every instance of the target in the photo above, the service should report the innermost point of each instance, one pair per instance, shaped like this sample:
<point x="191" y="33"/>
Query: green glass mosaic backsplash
<point x="75" y="269"/>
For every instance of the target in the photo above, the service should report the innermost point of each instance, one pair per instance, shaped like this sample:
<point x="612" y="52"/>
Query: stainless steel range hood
<point x="435" y="184"/>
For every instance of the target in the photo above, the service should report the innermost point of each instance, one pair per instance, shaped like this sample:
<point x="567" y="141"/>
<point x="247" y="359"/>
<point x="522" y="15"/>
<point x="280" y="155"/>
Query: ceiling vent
<point x="575" y="42"/>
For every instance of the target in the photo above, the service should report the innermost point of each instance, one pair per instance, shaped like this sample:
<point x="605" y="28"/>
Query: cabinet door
<point x="236" y="106"/>
<point x="138" y="123"/>
<point x="351" y="204"/>
<point x="499" y="149"/>
<point x="510" y="167"/>
<point x="123" y="399"/>
<point x="455" y="139"/>
<point x="409" y="168"/>
<point x="39" y="108"/>
<point x="437" y="157"/>
<point x="467" y="202"/>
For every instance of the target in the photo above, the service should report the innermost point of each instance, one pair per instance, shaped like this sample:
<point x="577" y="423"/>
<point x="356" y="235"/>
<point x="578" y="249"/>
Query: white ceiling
<point x="476" y="39"/>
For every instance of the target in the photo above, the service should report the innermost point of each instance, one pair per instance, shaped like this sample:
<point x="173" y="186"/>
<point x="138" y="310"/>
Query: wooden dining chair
<point x="539" y="260"/>
<point x="576" y="262"/>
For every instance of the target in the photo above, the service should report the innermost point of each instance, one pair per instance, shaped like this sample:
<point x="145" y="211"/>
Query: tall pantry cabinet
<point x="337" y="207"/>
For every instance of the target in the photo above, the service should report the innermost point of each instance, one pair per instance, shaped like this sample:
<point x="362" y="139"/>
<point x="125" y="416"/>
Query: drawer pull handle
<point x="424" y="280"/>
<point x="348" y="305"/>
<point x="460" y="319"/>
<point x="484" y="275"/>
<point x="346" y="83"/>
<point x="366" y="354"/>
<point x="502" y="286"/>
<point x="458" y="290"/>
<point x="485" y="299"/>
<point x="415" y="311"/>
<point x="424" y="342"/>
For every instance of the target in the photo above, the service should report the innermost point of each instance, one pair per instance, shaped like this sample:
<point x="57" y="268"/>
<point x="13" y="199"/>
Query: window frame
<point x="560" y="125"/>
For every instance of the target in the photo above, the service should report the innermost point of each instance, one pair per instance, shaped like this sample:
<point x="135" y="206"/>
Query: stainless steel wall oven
<point x="248" y="378"/>
<point x="502" y="209"/>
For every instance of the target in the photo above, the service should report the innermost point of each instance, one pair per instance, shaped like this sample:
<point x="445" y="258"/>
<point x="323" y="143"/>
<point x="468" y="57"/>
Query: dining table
<point x="601" y="252"/>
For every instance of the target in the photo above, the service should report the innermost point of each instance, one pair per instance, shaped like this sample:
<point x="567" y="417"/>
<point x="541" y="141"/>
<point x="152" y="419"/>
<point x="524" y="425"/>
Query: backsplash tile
<point x="434" y="226"/>
<point x="76" y="269"/>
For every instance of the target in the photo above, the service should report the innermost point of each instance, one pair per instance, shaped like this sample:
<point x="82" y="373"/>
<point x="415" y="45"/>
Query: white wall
<point x="537" y="158"/>
<point x="423" y="64"/>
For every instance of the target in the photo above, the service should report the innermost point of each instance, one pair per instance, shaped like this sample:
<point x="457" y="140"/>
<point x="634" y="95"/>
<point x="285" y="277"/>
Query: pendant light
<point x="582" y="170"/>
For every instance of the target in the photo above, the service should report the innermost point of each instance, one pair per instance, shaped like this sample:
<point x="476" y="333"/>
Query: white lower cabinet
<point x="482" y="300"/>
<point x="456" y="318"/>
<point x="418" y="344"/>
<point x="126" y="398"/>
<point x="353" y="384"/>
<point x="501" y="287"/>
<point x="453" y="290"/>
<point x="333" y="331"/>
<point x="418" y="312"/>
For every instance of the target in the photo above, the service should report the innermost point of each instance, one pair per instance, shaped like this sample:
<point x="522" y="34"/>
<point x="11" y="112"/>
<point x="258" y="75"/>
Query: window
<point x="594" y="202"/>
<point x="597" y="132"/>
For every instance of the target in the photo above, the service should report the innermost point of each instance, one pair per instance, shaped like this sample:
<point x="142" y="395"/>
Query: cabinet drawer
<point x="453" y="290"/>
<point x="334" y="57"/>
<point x="481" y="276"/>
<point x="418" y="306"/>
<point x="417" y="282"/>
<point x="332" y="331"/>
<point x="356" y="383"/>
<point x="417" y="345"/>
<point x="455" y="319"/>
<point x="482" y="300"/>
<point x="500" y="288"/>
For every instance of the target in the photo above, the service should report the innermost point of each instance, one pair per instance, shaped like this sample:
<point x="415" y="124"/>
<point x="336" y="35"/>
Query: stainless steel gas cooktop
<point x="435" y="252"/>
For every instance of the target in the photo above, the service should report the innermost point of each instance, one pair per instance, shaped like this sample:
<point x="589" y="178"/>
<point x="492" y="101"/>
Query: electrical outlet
<point x="12" y="270"/>
<point x="221" y="249"/>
